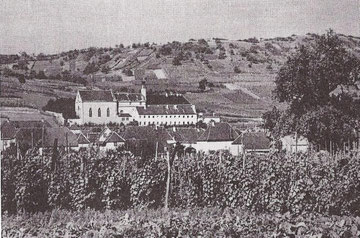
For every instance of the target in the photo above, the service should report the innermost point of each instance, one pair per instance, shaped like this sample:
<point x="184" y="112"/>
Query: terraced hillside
<point x="240" y="73"/>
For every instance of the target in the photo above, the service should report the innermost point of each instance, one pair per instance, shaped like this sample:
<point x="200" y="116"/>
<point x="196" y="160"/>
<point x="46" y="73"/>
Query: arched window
<point x="99" y="112"/>
<point x="90" y="112"/>
<point x="107" y="112"/>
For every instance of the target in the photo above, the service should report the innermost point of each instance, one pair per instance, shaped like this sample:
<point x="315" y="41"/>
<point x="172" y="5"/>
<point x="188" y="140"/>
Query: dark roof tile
<point x="219" y="132"/>
<point x="161" y="99"/>
<point x="97" y="96"/>
<point x="253" y="140"/>
<point x="166" y="110"/>
<point x="114" y="138"/>
<point x="8" y="130"/>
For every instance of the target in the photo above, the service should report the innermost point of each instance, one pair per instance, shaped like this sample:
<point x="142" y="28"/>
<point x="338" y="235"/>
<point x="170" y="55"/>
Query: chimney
<point x="174" y="128"/>
<point x="175" y="107"/>
<point x="166" y="94"/>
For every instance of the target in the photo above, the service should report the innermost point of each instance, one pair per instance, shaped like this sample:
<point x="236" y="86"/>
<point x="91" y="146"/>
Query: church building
<point x="104" y="106"/>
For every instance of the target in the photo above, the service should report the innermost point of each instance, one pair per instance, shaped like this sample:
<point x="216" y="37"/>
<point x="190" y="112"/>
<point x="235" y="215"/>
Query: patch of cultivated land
<point x="36" y="92"/>
<point x="26" y="114"/>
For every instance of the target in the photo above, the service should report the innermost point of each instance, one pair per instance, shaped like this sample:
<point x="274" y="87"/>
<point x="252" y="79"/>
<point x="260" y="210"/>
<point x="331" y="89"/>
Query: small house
<point x="293" y="144"/>
<point x="218" y="136"/>
<point x="252" y="143"/>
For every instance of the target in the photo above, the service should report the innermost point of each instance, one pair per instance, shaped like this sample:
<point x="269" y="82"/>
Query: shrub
<point x="237" y="70"/>
<point x="117" y="180"/>
<point x="128" y="72"/>
<point x="21" y="78"/>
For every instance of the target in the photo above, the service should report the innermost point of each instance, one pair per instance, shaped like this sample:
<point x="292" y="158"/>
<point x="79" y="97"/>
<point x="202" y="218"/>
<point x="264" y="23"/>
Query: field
<point x="214" y="196"/>
<point x="199" y="222"/>
<point x="26" y="114"/>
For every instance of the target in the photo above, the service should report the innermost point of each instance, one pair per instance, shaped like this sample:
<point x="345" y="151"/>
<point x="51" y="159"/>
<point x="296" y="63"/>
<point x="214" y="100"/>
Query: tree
<point x="202" y="84"/>
<point x="91" y="68"/>
<point x="21" y="78"/>
<point x="41" y="75"/>
<point x="237" y="70"/>
<point x="314" y="82"/>
<point x="128" y="72"/>
<point x="105" y="69"/>
<point x="176" y="61"/>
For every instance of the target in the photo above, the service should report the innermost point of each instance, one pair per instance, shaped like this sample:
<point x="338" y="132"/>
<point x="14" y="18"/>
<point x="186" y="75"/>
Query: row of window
<point x="175" y="116"/>
<point x="99" y="112"/>
<point x="162" y="123"/>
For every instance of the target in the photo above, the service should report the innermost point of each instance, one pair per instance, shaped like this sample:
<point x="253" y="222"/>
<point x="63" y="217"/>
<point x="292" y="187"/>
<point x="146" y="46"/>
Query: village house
<point x="293" y="144"/>
<point x="21" y="132"/>
<point x="218" y="136"/>
<point x="185" y="136"/>
<point x="252" y="143"/>
<point x="8" y="134"/>
<point x="109" y="140"/>
<point x="145" y="139"/>
<point x="61" y="137"/>
<point x="208" y="117"/>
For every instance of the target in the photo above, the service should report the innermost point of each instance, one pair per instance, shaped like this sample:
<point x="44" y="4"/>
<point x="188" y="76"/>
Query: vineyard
<point x="319" y="186"/>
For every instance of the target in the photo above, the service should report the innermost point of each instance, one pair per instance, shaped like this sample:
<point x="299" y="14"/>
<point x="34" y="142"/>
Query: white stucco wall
<point x="218" y="145"/>
<point x="95" y="118"/>
<point x="145" y="120"/>
<point x="4" y="144"/>
<point x="111" y="146"/>
<point x="291" y="146"/>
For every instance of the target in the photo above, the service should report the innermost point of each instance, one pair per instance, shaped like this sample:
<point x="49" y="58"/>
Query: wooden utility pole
<point x="167" y="182"/>
<point x="244" y="158"/>
<point x="156" y="150"/>
<point x="32" y="138"/>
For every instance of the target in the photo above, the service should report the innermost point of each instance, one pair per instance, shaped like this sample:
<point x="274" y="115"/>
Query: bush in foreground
<point x="208" y="222"/>
<point x="273" y="183"/>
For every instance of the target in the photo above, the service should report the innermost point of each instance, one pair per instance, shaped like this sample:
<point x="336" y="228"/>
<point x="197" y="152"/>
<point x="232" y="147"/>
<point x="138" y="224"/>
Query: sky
<point x="52" y="26"/>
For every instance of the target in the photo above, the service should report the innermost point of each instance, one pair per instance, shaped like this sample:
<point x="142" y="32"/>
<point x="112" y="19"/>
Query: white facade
<point x="292" y="144"/>
<point x="208" y="146"/>
<point x="145" y="120"/>
<point x="111" y="146"/>
<point x="97" y="112"/>
<point x="127" y="107"/>
<point x="6" y="143"/>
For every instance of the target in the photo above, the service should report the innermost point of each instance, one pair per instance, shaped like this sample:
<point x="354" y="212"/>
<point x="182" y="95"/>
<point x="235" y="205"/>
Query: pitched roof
<point x="145" y="133"/>
<point x="161" y="99"/>
<point x="63" y="135"/>
<point x="166" y="110"/>
<point x="96" y="96"/>
<point x="8" y="130"/>
<point x="74" y="127"/>
<point x="93" y="137"/>
<point x="81" y="139"/>
<point x="185" y="135"/>
<point x="129" y="97"/>
<point x="218" y="132"/>
<point x="124" y="115"/>
<point x="254" y="140"/>
<point x="30" y="124"/>
<point x="114" y="138"/>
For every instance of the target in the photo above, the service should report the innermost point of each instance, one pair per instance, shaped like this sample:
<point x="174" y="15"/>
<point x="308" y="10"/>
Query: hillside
<point x="240" y="73"/>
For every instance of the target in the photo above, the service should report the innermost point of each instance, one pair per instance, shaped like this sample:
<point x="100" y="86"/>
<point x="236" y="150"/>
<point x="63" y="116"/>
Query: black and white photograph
<point x="180" y="118"/>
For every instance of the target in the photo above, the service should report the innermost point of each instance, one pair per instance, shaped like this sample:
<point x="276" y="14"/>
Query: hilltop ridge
<point x="239" y="73"/>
